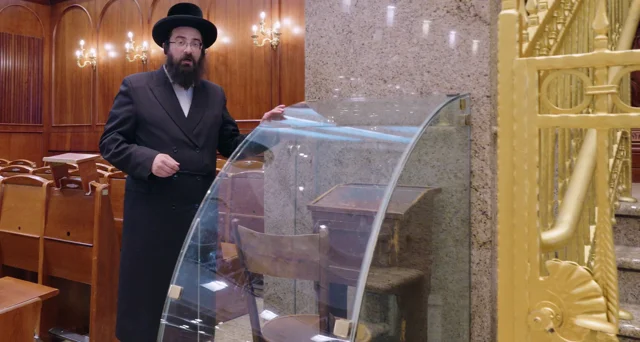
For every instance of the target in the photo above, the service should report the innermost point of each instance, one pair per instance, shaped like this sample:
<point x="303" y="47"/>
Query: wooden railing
<point x="564" y="150"/>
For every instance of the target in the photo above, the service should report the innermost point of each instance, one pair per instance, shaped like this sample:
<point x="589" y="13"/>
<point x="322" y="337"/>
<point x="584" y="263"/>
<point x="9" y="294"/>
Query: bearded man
<point x="163" y="131"/>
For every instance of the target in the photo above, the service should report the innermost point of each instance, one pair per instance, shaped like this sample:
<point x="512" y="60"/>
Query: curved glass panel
<point x="418" y="270"/>
<point x="326" y="238"/>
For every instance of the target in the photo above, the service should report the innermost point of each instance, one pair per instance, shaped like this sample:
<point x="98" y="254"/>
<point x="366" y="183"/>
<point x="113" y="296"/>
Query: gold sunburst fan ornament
<point x="570" y="306"/>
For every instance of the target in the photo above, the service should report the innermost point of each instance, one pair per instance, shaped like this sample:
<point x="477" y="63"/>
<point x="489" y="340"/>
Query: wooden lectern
<point x="20" y="305"/>
<point x="86" y="168"/>
<point x="401" y="264"/>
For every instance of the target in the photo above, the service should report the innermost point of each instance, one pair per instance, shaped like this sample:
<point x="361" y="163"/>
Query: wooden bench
<point x="117" y="181"/>
<point x="23" y="162"/>
<point x="23" y="200"/>
<point x="80" y="241"/>
<point x="20" y="308"/>
<point x="12" y="170"/>
<point x="45" y="171"/>
<point x="64" y="233"/>
<point x="106" y="167"/>
<point x="102" y="175"/>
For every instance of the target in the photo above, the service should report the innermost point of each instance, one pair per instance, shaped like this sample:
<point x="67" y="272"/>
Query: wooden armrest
<point x="106" y="168"/>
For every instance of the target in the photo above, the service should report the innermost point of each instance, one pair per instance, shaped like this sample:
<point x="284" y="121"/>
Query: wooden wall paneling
<point x="117" y="18"/>
<point x="28" y="98"/>
<point x="22" y="37"/>
<point x="275" y="61"/>
<point x="242" y="69"/>
<point x="73" y="91"/>
<point x="22" y="146"/>
<point x="6" y="74"/>
<point x="75" y="141"/>
<point x="291" y="52"/>
<point x="24" y="19"/>
<point x="30" y="21"/>
<point x="254" y="78"/>
<point x="246" y="126"/>
<point x="76" y="87"/>
<point x="22" y="77"/>
<point x="41" y="2"/>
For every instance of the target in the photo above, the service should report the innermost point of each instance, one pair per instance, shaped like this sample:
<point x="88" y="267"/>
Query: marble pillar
<point x="387" y="49"/>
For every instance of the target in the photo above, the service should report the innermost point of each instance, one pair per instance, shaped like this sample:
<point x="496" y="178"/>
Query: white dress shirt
<point x="185" y="96"/>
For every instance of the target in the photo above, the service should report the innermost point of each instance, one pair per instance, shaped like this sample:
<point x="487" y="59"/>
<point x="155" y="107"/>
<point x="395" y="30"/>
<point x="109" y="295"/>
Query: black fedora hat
<point x="184" y="14"/>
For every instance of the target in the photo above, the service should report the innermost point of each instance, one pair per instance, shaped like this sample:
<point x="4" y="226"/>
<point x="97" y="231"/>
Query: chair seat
<point x="301" y="328"/>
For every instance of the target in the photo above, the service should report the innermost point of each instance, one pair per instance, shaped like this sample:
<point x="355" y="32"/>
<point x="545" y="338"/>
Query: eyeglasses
<point x="181" y="43"/>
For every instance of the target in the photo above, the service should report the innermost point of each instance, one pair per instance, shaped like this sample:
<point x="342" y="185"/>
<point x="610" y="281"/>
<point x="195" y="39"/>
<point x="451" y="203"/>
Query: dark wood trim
<point x="275" y="59"/>
<point x="44" y="2"/>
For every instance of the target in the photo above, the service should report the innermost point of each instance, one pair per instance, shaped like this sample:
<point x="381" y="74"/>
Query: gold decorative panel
<point x="564" y="119"/>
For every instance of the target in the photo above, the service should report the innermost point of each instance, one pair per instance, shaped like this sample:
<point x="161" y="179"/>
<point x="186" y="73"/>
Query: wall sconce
<point x="84" y="60"/>
<point x="271" y="35"/>
<point x="139" y="52"/>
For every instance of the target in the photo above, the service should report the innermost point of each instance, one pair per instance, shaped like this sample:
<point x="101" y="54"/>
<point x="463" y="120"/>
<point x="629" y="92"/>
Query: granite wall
<point x="386" y="48"/>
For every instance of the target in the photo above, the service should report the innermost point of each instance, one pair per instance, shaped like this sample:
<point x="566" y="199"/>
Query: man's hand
<point x="164" y="166"/>
<point x="274" y="114"/>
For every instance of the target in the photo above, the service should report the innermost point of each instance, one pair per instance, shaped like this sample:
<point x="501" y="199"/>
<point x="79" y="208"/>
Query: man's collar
<point x="164" y="67"/>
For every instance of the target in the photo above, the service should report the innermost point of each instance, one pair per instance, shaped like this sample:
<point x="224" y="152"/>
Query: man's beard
<point x="186" y="75"/>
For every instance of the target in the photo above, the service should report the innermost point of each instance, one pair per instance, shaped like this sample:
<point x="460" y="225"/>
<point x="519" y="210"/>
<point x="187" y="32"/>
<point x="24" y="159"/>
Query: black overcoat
<point x="146" y="119"/>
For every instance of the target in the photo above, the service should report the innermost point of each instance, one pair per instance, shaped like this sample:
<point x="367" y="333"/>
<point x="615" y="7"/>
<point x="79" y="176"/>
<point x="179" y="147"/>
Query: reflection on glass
<point x="391" y="11"/>
<point x="426" y="25"/>
<point x="344" y="231"/>
<point x="452" y="39"/>
<point x="346" y="6"/>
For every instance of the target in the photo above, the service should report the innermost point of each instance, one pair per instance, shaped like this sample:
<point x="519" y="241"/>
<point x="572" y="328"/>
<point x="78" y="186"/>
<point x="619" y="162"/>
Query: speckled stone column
<point x="387" y="48"/>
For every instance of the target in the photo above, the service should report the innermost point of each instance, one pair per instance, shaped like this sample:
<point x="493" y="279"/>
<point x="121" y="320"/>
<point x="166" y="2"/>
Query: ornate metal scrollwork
<point x="570" y="305"/>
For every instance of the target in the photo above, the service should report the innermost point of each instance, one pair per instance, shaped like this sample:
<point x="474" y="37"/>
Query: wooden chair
<point x="101" y="160"/>
<point x="24" y="162"/>
<point x="102" y="175"/>
<point x="20" y="308"/>
<point x="23" y="202"/>
<point x="244" y="196"/>
<point x="106" y="167"/>
<point x="46" y="172"/>
<point x="117" y="181"/>
<point x="220" y="163"/>
<point x="3" y="162"/>
<point x="292" y="257"/>
<point x="85" y="164"/>
<point x="80" y="245"/>
<point x="12" y="170"/>
<point x="241" y="198"/>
